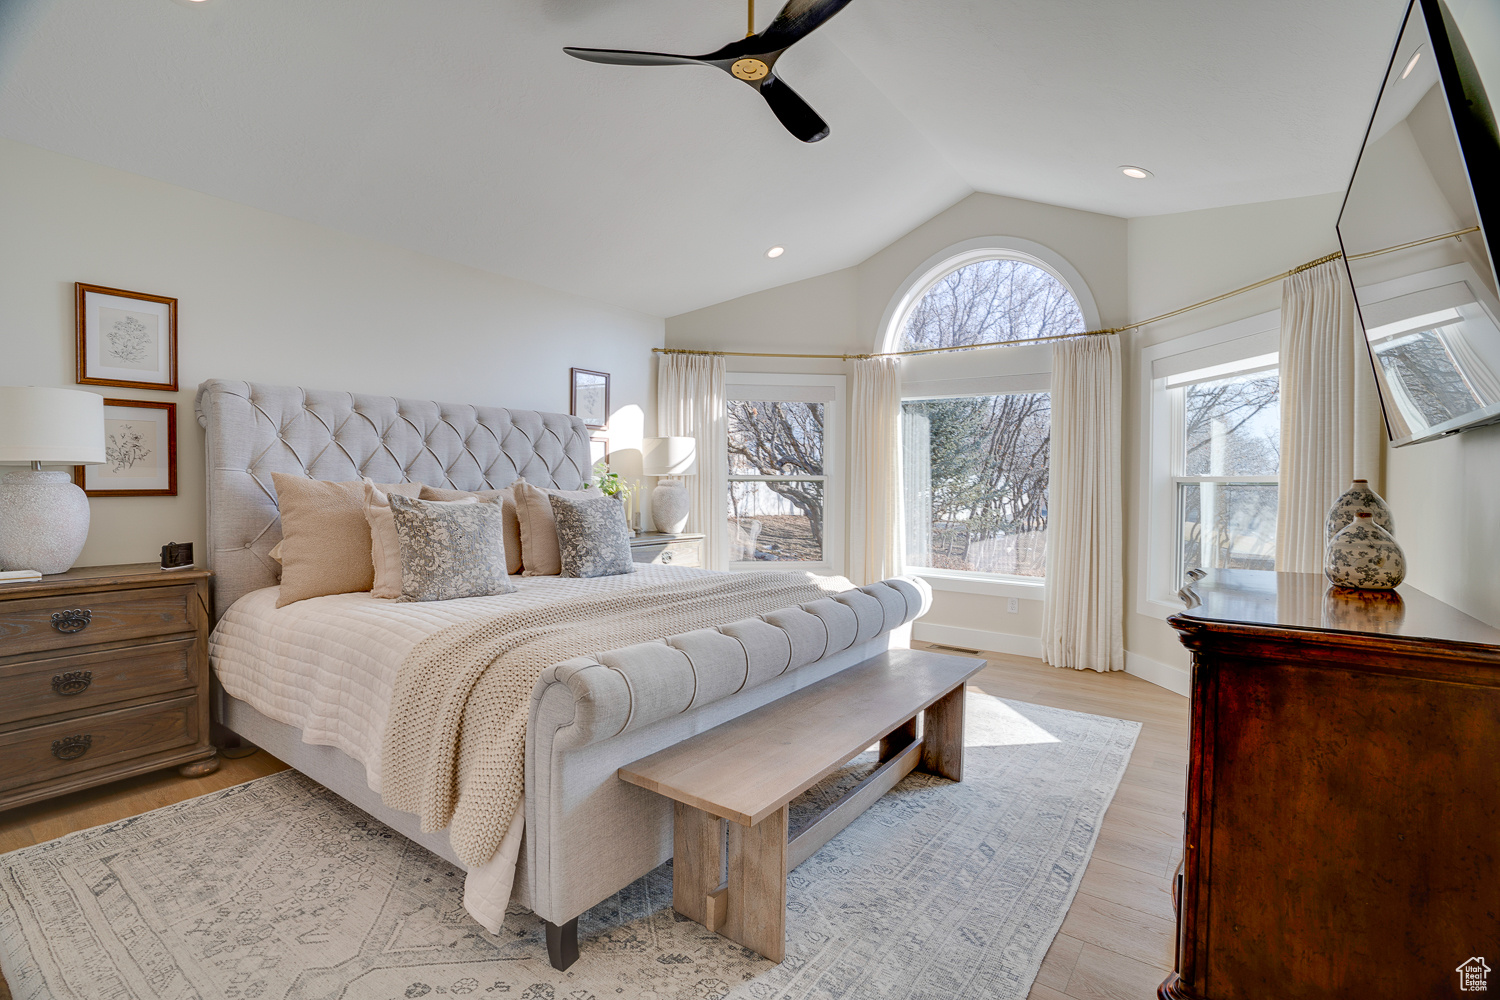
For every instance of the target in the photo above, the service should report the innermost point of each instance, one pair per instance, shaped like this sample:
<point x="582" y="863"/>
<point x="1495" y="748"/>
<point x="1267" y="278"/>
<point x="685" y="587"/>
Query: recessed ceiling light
<point x="1139" y="173"/>
<point x="775" y="252"/>
<point x="1412" y="63"/>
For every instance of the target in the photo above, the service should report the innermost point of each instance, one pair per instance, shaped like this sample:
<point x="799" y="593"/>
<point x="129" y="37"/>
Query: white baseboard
<point x="978" y="638"/>
<point x="1161" y="674"/>
<point x="1164" y="675"/>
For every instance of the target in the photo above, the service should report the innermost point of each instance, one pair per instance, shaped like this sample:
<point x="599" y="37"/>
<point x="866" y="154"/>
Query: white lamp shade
<point x="669" y="456"/>
<point x="51" y="425"/>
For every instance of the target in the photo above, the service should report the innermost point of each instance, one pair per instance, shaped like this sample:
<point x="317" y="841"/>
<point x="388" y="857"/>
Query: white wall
<point x="267" y="298"/>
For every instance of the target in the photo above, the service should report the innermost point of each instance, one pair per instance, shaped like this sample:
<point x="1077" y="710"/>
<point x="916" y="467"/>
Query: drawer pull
<point x="73" y="682"/>
<point x="69" y="622"/>
<point x="666" y="555"/>
<point x="72" y="747"/>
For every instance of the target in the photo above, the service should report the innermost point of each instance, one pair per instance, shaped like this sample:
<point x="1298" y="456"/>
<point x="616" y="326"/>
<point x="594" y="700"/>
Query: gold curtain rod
<point x="1336" y="255"/>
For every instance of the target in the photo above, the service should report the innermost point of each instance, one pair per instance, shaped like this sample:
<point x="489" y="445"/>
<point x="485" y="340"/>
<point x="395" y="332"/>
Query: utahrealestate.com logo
<point x="1471" y="975"/>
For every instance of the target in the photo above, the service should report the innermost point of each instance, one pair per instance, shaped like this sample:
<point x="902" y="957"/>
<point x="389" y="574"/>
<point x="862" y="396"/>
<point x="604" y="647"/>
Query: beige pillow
<point x="385" y="543"/>
<point x="325" y="545"/>
<point x="507" y="500"/>
<point x="539" y="549"/>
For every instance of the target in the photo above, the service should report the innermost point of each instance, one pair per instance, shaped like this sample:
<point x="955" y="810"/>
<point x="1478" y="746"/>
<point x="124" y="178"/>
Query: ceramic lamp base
<point x="669" y="506"/>
<point x="44" y="521"/>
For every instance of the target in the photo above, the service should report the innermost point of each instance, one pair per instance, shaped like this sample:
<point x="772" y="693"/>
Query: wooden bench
<point x="747" y="770"/>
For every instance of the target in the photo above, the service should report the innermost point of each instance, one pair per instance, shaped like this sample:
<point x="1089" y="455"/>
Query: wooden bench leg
<point x="756" y="913"/>
<point x="898" y="739"/>
<point x="697" y="861"/>
<point x="943" y="736"/>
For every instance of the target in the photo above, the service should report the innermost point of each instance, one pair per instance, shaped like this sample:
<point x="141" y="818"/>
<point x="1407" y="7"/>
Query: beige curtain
<point x="875" y="550"/>
<point x="1082" y="611"/>
<point x="690" y="402"/>
<point x="1330" y="414"/>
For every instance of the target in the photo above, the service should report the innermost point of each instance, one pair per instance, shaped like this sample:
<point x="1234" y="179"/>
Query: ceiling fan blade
<point x="800" y="119"/>
<point x="797" y="20"/>
<point x="627" y="57"/>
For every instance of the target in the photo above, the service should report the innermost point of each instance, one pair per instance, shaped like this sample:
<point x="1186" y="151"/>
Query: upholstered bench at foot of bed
<point x="594" y="834"/>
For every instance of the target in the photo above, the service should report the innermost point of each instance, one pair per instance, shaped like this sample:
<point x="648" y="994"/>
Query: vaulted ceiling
<point x="459" y="128"/>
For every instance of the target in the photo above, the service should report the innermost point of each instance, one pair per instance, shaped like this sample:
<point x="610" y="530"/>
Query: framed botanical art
<point x="140" y="451"/>
<point x="598" y="451"/>
<point x="126" y="338"/>
<point x="590" y="397"/>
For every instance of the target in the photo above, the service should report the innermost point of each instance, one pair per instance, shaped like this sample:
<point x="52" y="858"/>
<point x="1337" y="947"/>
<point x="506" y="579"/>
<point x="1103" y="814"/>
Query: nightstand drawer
<point x="86" y="680"/>
<point x="669" y="553"/>
<point x="88" y="619"/>
<point x="41" y="753"/>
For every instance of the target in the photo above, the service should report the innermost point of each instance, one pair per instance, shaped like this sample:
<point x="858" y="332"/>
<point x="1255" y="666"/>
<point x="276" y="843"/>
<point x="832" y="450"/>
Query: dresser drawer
<point x="671" y="553"/>
<point x="57" y="749"/>
<point x="47" y="623"/>
<point x="86" y="680"/>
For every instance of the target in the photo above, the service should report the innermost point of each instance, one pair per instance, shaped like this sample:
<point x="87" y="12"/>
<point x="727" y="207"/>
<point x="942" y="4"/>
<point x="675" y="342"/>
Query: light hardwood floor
<point x="1116" y="943"/>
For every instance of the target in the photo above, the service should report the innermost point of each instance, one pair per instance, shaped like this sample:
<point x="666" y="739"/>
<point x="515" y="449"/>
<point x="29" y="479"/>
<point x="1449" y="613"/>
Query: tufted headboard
<point x="254" y="430"/>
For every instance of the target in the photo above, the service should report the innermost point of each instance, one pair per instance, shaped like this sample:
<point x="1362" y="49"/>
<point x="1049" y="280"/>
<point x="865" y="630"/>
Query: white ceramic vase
<point x="1364" y="556"/>
<point x="44" y="521"/>
<point x="1356" y="498"/>
<point x="669" y="506"/>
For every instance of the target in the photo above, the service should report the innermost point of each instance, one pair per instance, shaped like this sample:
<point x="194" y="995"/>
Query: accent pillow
<point x="325" y="545"/>
<point x="508" y="504"/>
<point x="450" y="550"/>
<point x="539" y="553"/>
<point x="385" y="545"/>
<point x="592" y="538"/>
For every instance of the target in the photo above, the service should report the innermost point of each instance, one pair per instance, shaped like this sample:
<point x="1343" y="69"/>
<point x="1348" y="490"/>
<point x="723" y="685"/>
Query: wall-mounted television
<point x="1420" y="226"/>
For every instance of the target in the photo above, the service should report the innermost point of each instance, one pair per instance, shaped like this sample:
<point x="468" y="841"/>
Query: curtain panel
<point x="1083" y="607"/>
<point x="876" y="550"/>
<point x="690" y="402"/>
<point x="1330" y="413"/>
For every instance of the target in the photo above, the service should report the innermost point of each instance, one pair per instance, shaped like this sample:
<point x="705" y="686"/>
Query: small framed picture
<point x="598" y="452"/>
<point x="126" y="338"/>
<point x="140" y="451"/>
<point x="590" y="397"/>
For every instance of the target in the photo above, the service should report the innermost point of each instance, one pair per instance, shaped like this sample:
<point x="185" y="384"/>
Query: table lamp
<point x="669" y="458"/>
<point x="44" y="518"/>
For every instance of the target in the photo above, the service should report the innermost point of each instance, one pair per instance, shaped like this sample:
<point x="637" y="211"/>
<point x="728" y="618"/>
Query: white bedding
<point x="328" y="665"/>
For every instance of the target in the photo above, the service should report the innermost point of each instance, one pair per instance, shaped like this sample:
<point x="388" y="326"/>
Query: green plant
<point x="609" y="482"/>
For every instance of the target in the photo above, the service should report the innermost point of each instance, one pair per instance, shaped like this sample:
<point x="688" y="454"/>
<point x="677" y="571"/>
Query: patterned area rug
<point x="278" y="888"/>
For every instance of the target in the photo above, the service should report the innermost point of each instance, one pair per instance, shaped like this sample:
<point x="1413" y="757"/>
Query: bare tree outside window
<point x="776" y="481"/>
<point x="991" y="301"/>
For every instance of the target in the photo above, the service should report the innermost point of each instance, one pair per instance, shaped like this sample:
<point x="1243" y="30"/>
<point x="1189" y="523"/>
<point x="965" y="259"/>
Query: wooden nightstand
<point x="659" y="547"/>
<point x="103" y="674"/>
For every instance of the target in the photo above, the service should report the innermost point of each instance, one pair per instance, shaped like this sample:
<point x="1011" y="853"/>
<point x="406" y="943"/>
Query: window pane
<point x="975" y="481"/>
<point x="1424" y="380"/>
<point x="775" y="439"/>
<point x="1233" y="426"/>
<point x="776" y="522"/>
<point x="988" y="302"/>
<point x="1227" y="526"/>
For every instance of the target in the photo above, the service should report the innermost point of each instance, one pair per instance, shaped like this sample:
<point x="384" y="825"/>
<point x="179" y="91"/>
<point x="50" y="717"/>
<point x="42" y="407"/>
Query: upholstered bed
<point x="310" y="676"/>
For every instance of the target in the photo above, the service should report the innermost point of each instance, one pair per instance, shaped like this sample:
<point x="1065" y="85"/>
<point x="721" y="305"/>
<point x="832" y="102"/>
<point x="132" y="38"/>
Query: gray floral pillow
<point x="591" y="536"/>
<point x="450" y="550"/>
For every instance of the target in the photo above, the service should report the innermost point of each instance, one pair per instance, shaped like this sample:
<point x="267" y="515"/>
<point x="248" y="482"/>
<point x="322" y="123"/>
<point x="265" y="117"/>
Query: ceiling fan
<point x="750" y="60"/>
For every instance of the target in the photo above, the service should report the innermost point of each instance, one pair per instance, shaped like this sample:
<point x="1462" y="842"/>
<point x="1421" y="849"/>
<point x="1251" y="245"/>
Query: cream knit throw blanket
<point x="454" y="747"/>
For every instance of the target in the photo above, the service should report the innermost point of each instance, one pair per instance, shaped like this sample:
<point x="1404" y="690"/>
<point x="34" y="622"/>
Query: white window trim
<point x="760" y="386"/>
<point x="1161" y="422"/>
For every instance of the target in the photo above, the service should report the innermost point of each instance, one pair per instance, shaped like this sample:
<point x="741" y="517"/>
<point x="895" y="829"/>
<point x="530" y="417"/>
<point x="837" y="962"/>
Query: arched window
<point x="990" y="300"/>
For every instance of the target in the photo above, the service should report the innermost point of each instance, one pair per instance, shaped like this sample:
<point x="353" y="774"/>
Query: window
<point x="977" y="425"/>
<point x="1212" y="406"/>
<point x="782" y="502"/>
<point x="1227" y="461"/>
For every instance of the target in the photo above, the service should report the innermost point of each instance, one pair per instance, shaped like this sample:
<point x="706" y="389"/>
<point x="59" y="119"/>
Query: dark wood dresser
<point x="103" y="674"/>
<point x="1343" y="807"/>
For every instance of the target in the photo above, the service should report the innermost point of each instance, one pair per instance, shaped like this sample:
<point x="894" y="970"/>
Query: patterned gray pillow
<point x="450" y="550"/>
<point x="591" y="536"/>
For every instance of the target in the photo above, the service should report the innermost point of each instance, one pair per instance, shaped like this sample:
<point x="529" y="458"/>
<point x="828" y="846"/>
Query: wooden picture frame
<point x="598" y="451"/>
<point x="134" y="446"/>
<point x="125" y="338"/>
<point x="588" y="397"/>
